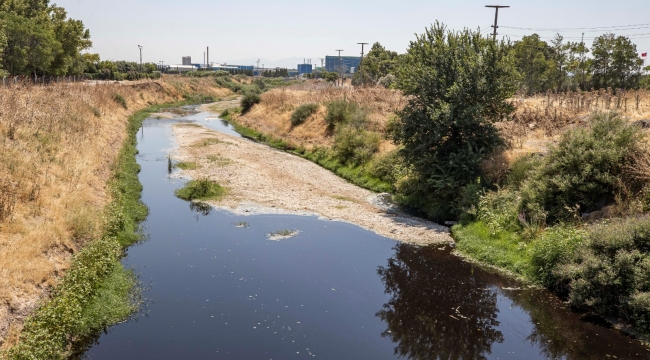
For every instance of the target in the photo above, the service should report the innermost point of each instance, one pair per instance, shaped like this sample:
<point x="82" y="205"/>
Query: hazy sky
<point x="280" y="29"/>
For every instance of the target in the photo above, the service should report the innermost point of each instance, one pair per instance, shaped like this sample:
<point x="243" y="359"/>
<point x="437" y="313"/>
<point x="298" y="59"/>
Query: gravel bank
<point x="262" y="180"/>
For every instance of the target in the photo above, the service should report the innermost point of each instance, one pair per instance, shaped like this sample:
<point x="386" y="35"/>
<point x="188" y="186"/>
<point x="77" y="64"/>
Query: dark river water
<point x="334" y="291"/>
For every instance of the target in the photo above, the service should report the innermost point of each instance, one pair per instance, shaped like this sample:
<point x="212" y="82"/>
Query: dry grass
<point x="57" y="145"/>
<point x="273" y="114"/>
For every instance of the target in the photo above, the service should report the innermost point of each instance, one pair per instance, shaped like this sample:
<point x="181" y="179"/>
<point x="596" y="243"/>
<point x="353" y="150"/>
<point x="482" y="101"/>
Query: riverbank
<point x="262" y="180"/>
<point x="504" y="224"/>
<point x="58" y="154"/>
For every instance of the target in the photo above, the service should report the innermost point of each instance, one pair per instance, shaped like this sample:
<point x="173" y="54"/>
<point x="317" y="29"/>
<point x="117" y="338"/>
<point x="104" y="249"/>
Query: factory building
<point x="187" y="60"/>
<point x="304" y="69"/>
<point x="348" y="64"/>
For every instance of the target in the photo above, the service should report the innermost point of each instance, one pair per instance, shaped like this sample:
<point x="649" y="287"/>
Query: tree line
<point x="612" y="62"/>
<point x="37" y="38"/>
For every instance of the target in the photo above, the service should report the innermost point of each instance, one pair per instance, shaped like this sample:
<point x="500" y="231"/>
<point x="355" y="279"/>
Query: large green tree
<point x="532" y="57"/>
<point x="457" y="84"/>
<point x="378" y="63"/>
<point x="616" y="63"/>
<point x="40" y="39"/>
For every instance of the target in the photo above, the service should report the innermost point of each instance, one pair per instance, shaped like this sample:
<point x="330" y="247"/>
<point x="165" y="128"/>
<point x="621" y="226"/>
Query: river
<point x="218" y="288"/>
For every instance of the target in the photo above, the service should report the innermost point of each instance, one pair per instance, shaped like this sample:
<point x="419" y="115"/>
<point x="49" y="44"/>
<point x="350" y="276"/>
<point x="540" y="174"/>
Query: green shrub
<point x="201" y="189"/>
<point x="303" y="112"/>
<point x="248" y="101"/>
<point x="521" y="168"/>
<point x="224" y="113"/>
<point x="584" y="171"/>
<point x="260" y="83"/>
<point x="355" y="146"/>
<point x="340" y="112"/>
<point x="555" y="246"/>
<point x="499" y="210"/>
<point x="120" y="100"/>
<point x="611" y="274"/>
<point x="388" y="167"/>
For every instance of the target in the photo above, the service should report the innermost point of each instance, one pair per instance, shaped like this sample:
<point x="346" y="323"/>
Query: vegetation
<point x="38" y="39"/>
<point x="540" y="223"/>
<point x="378" y="64"/>
<point x="446" y="128"/>
<point x="200" y="189"/>
<point x="302" y="113"/>
<point x="562" y="66"/>
<point x="248" y="101"/>
<point x="184" y="165"/>
<point x="96" y="291"/>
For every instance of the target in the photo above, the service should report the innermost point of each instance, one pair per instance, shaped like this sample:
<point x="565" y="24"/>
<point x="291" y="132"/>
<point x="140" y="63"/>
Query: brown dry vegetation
<point x="273" y="114"/>
<point x="537" y="121"/>
<point x="57" y="145"/>
<point x="540" y="120"/>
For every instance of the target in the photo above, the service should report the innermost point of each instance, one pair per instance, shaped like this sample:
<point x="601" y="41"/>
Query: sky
<point x="283" y="32"/>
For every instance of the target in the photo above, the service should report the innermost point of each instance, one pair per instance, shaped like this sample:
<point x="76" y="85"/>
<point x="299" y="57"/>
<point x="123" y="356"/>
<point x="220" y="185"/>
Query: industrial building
<point x="187" y="60"/>
<point x="348" y="64"/>
<point x="304" y="69"/>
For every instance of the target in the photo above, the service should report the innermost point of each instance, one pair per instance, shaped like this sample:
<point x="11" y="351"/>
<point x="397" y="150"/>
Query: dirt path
<point x="263" y="180"/>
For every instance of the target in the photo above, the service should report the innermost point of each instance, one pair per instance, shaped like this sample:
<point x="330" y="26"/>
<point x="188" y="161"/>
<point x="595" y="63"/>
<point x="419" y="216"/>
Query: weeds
<point x="120" y="100"/>
<point x="200" y="189"/>
<point x="187" y="165"/>
<point x="206" y="142"/>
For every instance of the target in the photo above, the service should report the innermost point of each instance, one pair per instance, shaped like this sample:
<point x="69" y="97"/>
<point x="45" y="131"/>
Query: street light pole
<point x="140" y="47"/>
<point x="496" y="18"/>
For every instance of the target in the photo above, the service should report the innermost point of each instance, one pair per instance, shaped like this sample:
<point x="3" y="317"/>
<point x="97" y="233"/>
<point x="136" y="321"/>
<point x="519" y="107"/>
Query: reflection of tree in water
<point x="438" y="308"/>
<point x="200" y="208"/>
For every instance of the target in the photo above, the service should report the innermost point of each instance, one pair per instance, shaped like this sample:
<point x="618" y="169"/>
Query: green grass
<point x="201" y="189"/>
<point x="187" y="165"/>
<point x="503" y="249"/>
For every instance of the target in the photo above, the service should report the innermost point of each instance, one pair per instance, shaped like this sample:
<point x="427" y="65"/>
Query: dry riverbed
<point x="262" y="180"/>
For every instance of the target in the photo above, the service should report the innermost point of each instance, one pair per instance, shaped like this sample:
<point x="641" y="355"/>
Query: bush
<point x="611" y="274"/>
<point x="201" y="189"/>
<point x="340" y="112"/>
<point x="260" y="83"/>
<point x="120" y="100"/>
<point x="584" y="171"/>
<point x="355" y="146"/>
<point x="556" y="246"/>
<point x="303" y="112"/>
<point x="248" y="101"/>
<point x="388" y="168"/>
<point x="521" y="168"/>
<point x="499" y="210"/>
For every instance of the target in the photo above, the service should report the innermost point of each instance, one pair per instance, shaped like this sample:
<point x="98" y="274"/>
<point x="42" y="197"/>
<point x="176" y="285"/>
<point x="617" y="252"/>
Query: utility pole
<point x="339" y="66"/>
<point x="361" y="62"/>
<point x="496" y="18"/>
<point x="582" y="61"/>
<point x="140" y="47"/>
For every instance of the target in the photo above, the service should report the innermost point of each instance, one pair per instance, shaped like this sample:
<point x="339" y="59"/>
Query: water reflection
<point x="200" y="208"/>
<point x="442" y="308"/>
<point x="431" y="313"/>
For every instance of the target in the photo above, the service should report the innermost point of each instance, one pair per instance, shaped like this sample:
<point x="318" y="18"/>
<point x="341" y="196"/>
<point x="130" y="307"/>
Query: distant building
<point x="347" y="65"/>
<point x="187" y="60"/>
<point x="181" y="68"/>
<point x="304" y="69"/>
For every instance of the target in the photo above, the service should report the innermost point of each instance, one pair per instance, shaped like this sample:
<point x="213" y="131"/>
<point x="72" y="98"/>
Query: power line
<point x="585" y="28"/>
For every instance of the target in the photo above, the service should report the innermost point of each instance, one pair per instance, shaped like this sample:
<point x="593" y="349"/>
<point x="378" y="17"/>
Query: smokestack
<point x="208" y="61"/>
